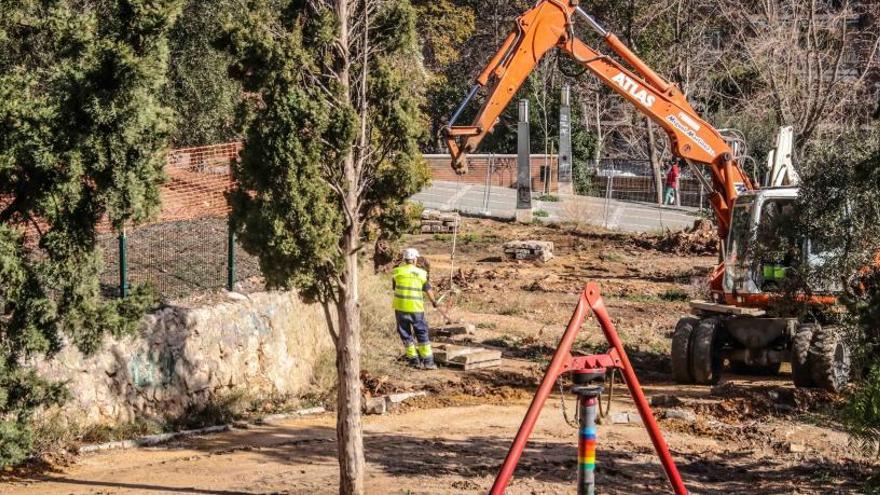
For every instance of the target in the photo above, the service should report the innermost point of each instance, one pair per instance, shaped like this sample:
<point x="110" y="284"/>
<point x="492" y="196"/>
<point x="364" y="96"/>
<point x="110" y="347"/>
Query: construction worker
<point x="410" y="284"/>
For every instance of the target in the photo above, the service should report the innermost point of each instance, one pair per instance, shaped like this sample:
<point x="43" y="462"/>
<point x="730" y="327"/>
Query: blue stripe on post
<point x="589" y="432"/>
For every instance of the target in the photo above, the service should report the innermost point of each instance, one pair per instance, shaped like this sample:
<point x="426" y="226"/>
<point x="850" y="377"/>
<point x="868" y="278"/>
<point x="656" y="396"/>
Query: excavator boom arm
<point x="549" y="25"/>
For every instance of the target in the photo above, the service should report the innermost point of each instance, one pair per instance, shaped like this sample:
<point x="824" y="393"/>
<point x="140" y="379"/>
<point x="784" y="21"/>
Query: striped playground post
<point x="587" y="411"/>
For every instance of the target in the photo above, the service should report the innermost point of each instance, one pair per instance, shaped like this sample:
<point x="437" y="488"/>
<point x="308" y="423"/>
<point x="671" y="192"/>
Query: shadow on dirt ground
<point x="469" y="460"/>
<point x="142" y="487"/>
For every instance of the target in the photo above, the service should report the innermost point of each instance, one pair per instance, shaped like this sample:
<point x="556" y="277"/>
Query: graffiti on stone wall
<point x="148" y="372"/>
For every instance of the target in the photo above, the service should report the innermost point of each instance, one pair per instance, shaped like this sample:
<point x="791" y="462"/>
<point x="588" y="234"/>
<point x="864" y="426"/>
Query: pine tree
<point x="199" y="90"/>
<point x="334" y="146"/>
<point x="82" y="137"/>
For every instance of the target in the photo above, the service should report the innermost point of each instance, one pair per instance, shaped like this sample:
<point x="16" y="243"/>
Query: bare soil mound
<point x="702" y="238"/>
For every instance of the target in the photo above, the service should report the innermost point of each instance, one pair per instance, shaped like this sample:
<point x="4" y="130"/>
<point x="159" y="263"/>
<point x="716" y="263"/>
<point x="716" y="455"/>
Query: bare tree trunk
<point x="655" y="160"/>
<point x="349" y="433"/>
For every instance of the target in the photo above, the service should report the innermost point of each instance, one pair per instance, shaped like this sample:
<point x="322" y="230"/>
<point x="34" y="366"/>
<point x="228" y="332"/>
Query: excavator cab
<point x="758" y="253"/>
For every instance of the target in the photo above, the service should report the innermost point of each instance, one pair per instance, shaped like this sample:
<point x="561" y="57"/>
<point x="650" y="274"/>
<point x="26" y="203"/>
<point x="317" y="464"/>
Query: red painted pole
<point x="632" y="382"/>
<point x="556" y="367"/>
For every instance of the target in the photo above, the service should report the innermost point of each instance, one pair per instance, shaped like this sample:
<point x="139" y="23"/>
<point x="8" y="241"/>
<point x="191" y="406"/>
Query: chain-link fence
<point x="633" y="180"/>
<point x="498" y="170"/>
<point x="189" y="247"/>
<point x="177" y="258"/>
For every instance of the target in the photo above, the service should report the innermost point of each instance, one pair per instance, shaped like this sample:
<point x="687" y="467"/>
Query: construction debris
<point x="439" y="222"/>
<point x="529" y="250"/>
<point x="664" y="400"/>
<point x="454" y="329"/>
<point x="699" y="239"/>
<point x="467" y="358"/>
<point x="385" y="255"/>
<point x="385" y="403"/>
<point x="622" y="418"/>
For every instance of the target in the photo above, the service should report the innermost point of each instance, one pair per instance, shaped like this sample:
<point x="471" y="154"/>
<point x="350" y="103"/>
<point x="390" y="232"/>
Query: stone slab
<point x="451" y="330"/>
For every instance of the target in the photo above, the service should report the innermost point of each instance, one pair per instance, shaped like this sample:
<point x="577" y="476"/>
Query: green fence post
<point x="123" y="265"/>
<point x="230" y="256"/>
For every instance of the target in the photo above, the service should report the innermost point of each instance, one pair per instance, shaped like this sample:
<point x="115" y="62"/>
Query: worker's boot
<point x="412" y="357"/>
<point x="427" y="356"/>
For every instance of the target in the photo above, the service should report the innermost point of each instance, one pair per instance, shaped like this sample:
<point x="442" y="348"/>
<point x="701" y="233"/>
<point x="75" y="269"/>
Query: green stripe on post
<point x="123" y="265"/>
<point x="230" y="256"/>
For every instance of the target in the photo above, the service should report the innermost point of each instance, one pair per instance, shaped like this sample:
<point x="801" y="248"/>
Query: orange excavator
<point x="733" y="329"/>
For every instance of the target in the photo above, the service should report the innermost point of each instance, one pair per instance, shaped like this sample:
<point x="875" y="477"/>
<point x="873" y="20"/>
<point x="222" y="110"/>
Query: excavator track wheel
<point x="706" y="362"/>
<point x="800" y="351"/>
<point x="829" y="359"/>
<point x="681" y="350"/>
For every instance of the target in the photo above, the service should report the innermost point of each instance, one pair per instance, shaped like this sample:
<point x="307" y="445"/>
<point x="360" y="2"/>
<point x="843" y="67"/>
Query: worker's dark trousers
<point x="409" y="324"/>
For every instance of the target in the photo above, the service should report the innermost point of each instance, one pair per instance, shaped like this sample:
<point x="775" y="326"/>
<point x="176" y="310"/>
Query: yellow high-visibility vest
<point x="409" y="284"/>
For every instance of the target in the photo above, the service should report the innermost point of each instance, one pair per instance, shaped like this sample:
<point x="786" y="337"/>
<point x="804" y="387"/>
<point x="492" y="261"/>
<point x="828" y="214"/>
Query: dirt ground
<point x="750" y="435"/>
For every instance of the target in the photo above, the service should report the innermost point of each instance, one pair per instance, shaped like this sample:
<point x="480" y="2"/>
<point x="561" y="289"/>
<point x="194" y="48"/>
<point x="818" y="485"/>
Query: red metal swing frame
<point x="564" y="362"/>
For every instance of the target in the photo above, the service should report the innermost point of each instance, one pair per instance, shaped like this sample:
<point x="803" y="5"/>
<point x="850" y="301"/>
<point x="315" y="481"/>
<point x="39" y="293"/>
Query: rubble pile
<point x="702" y="238"/>
<point x="529" y="250"/>
<point x="439" y="222"/>
<point x="461" y="279"/>
<point x="384" y="256"/>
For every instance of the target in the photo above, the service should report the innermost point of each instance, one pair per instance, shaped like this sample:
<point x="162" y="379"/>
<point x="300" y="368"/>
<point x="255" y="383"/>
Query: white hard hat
<point x="410" y="254"/>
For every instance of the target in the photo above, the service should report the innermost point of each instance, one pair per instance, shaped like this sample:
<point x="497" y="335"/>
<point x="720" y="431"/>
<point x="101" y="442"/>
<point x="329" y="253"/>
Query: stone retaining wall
<point x="265" y="344"/>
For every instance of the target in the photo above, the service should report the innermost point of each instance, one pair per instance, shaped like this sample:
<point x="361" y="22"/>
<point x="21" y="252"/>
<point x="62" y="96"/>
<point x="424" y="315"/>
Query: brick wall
<point x="501" y="169"/>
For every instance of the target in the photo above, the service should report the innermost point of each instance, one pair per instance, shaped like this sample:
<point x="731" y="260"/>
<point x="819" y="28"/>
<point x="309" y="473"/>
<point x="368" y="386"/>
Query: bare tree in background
<point x="600" y="113"/>
<point x="673" y="37"/>
<point x="540" y="80"/>
<point x="816" y="64"/>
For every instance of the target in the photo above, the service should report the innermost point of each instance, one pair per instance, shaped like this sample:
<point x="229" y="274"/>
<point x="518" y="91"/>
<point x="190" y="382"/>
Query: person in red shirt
<point x="670" y="192"/>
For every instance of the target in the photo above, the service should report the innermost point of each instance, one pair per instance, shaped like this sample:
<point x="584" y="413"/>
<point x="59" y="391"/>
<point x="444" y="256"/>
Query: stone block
<point x="680" y="414"/>
<point x="395" y="399"/>
<point x="796" y="448"/>
<point x="619" y="418"/>
<point x="433" y="221"/>
<point x="451" y="330"/>
<point x="529" y="250"/>
<point x="375" y="405"/>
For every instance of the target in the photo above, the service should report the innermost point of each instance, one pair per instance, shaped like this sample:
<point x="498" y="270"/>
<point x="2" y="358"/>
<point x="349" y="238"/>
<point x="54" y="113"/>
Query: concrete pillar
<point x="565" y="160"/>
<point x="523" y="166"/>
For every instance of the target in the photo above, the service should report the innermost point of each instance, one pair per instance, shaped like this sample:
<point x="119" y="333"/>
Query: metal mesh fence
<point x="633" y="180"/>
<point x="497" y="170"/>
<point x="186" y="249"/>
<point x="178" y="258"/>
